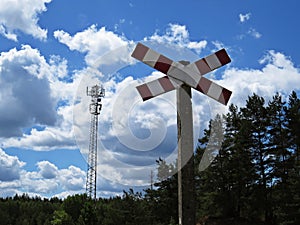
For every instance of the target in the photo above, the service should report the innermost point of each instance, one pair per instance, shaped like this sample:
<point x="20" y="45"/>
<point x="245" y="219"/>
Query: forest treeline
<point x="253" y="178"/>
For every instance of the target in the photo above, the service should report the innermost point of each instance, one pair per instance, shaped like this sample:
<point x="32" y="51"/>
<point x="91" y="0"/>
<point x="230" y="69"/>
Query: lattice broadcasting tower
<point x="96" y="92"/>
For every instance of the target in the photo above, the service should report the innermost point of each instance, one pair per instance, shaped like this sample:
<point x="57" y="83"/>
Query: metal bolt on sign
<point x="183" y="76"/>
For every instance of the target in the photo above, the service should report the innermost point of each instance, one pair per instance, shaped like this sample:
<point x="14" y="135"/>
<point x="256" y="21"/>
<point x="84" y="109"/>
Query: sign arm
<point x="191" y="74"/>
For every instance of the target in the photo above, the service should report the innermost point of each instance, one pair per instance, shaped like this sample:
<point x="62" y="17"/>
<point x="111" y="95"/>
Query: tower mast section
<point x="96" y="92"/>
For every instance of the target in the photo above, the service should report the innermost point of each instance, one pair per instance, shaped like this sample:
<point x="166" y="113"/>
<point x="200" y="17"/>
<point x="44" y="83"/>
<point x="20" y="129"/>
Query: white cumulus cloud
<point x="94" y="43"/>
<point x="34" y="93"/>
<point x="22" y="15"/>
<point x="10" y="167"/>
<point x="72" y="178"/>
<point x="47" y="170"/>
<point x="179" y="35"/>
<point x="25" y="94"/>
<point x="47" y="180"/>
<point x="278" y="74"/>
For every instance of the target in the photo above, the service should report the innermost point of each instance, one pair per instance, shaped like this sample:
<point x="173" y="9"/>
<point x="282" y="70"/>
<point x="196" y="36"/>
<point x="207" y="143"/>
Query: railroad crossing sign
<point x="178" y="74"/>
<point x="183" y="76"/>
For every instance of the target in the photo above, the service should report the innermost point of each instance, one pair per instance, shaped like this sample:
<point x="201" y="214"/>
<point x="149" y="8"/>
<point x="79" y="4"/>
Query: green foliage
<point x="60" y="217"/>
<point x="256" y="173"/>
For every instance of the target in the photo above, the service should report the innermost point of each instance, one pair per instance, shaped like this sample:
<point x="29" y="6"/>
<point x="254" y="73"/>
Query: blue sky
<point x="50" y="50"/>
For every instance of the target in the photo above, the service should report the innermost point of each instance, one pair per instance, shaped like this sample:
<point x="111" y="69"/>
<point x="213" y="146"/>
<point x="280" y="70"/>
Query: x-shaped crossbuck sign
<point x="178" y="74"/>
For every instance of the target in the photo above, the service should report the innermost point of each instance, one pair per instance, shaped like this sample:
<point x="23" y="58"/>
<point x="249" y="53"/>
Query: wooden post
<point x="186" y="189"/>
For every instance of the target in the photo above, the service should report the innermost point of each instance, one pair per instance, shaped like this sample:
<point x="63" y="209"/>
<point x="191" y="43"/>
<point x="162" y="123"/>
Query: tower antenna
<point x="96" y="92"/>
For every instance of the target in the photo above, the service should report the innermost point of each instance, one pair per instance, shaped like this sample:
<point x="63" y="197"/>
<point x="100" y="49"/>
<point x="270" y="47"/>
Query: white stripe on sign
<point x="151" y="58"/>
<point x="215" y="91"/>
<point x="155" y="88"/>
<point x="166" y="83"/>
<point x="213" y="61"/>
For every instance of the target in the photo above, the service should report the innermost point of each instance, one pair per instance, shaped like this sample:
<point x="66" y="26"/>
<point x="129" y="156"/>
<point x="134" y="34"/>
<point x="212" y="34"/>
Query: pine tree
<point x="241" y="169"/>
<point x="293" y="118"/>
<point x="289" y="193"/>
<point x="280" y="155"/>
<point x="278" y="139"/>
<point x="212" y="184"/>
<point x="256" y="119"/>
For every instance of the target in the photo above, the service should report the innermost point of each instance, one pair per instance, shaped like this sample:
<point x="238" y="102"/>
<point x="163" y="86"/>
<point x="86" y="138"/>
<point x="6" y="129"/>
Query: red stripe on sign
<point x="223" y="57"/>
<point x="202" y="66"/>
<point x="166" y="83"/>
<point x="203" y="85"/>
<point x="140" y="51"/>
<point x="225" y="96"/>
<point x="144" y="92"/>
<point x="163" y="64"/>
